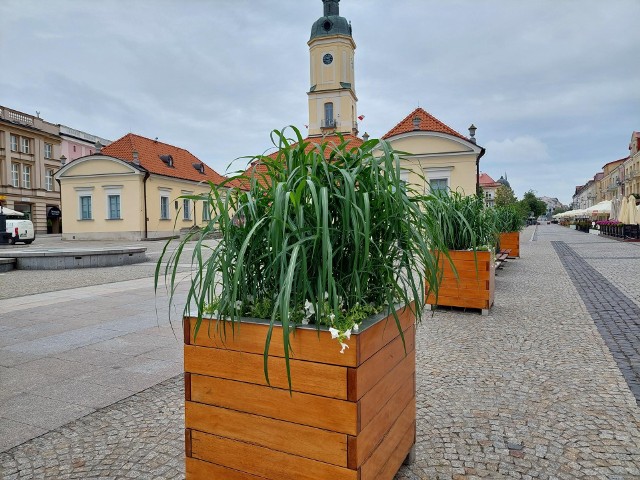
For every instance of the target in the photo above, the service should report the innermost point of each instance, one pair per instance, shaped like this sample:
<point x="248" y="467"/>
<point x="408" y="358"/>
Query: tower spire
<point x="331" y="7"/>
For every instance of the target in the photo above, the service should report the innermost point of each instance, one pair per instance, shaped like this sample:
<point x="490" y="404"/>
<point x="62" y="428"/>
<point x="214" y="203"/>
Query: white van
<point x="21" y="230"/>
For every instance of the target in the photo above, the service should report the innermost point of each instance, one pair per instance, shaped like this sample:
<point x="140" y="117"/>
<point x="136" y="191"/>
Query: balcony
<point x="328" y="123"/>
<point x="16" y="117"/>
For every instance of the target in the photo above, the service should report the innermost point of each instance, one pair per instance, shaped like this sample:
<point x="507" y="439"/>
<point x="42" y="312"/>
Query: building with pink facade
<point x="76" y="143"/>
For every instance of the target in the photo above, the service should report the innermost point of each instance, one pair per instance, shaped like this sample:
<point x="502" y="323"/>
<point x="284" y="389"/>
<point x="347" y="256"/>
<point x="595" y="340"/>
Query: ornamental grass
<point x="321" y="234"/>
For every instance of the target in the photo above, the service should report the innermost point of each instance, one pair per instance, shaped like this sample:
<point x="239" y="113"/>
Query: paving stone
<point x="537" y="373"/>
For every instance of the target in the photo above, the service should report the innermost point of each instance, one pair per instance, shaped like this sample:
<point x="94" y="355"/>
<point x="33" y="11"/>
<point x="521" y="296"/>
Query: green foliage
<point x="505" y="197"/>
<point x="508" y="219"/>
<point x="531" y="203"/>
<point x="311" y="240"/>
<point x="464" y="223"/>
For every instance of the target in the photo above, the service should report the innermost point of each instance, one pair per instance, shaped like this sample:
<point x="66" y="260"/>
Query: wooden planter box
<point x="350" y="416"/>
<point x="511" y="241"/>
<point x="473" y="287"/>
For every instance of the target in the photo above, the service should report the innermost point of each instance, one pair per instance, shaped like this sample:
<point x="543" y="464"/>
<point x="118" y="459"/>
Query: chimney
<point x="416" y="122"/>
<point x="472" y="133"/>
<point x="365" y="137"/>
<point x="98" y="146"/>
<point x="136" y="159"/>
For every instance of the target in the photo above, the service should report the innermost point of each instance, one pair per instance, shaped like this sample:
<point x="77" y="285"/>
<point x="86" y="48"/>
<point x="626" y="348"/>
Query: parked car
<point x="21" y="230"/>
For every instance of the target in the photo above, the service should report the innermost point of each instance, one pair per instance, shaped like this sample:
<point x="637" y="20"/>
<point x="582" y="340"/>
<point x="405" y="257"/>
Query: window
<point x="24" y="145"/>
<point x="186" y="209"/>
<point x="114" y="207"/>
<point x="26" y="176"/>
<point x="14" y="143"/>
<point x="437" y="184"/>
<point x="48" y="150"/>
<point x="164" y="208"/>
<point x="206" y="213"/>
<point x="328" y="113"/>
<point x="85" y="207"/>
<point x="48" y="180"/>
<point x="15" y="175"/>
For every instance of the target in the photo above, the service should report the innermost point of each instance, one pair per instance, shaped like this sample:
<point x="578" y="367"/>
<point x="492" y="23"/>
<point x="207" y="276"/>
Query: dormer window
<point x="199" y="167"/>
<point x="167" y="159"/>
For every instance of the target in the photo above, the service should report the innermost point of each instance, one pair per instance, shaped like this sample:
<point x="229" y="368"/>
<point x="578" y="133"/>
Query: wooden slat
<point x="369" y="373"/>
<point x="480" y="293"/>
<point x="262" y="461"/>
<point x="288" y="437"/>
<point x="374" y="338"/>
<point x="187" y="442"/>
<point x="201" y="470"/>
<point x="465" y="283"/>
<point x="385" y="462"/>
<point x="322" y="412"/>
<point x="466" y="274"/>
<point x="466" y="254"/>
<point x="309" y="377"/>
<point x="511" y="241"/>
<point x="250" y="337"/>
<point x="379" y="395"/>
<point x="360" y="448"/>
<point x="187" y="386"/>
<point x="461" y="302"/>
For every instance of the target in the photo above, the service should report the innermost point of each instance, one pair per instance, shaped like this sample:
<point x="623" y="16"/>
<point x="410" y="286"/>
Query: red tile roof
<point x="428" y="123"/>
<point x="149" y="152"/>
<point x="332" y="140"/>
<point x="486" y="181"/>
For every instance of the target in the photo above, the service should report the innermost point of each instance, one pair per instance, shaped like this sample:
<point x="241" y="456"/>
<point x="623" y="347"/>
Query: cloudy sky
<point x="552" y="85"/>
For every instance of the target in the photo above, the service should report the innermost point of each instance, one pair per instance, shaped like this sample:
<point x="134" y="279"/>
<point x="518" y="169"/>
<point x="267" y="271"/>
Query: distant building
<point x="553" y="204"/>
<point x="76" y="143"/>
<point x="130" y="191"/>
<point x="489" y="187"/>
<point x="29" y="157"/>
<point x="631" y="167"/>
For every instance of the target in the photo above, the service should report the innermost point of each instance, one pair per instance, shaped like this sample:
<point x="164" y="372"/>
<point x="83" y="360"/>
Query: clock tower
<point x="332" y="95"/>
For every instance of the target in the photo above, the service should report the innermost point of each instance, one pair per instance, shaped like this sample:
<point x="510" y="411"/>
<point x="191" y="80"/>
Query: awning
<point x="54" y="212"/>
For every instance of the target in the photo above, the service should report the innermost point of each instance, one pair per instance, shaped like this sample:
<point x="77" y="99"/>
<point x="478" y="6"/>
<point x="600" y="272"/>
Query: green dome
<point x="331" y="23"/>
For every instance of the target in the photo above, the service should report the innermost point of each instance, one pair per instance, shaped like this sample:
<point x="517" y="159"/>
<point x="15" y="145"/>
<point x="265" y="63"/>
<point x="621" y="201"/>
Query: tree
<point x="505" y="196"/>
<point x="532" y="204"/>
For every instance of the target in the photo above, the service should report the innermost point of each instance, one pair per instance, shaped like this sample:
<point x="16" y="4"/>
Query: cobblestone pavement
<point x="21" y="282"/>
<point x="616" y="316"/>
<point x="530" y="391"/>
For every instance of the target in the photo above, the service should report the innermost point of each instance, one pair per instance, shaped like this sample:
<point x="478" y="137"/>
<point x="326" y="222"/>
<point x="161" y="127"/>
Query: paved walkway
<point x="531" y="391"/>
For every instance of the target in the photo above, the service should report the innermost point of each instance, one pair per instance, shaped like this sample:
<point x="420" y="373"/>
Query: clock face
<point x="327" y="59"/>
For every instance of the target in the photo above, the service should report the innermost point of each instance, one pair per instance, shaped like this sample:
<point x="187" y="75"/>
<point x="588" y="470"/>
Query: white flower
<point x="309" y="308"/>
<point x="356" y="327"/>
<point x="343" y="345"/>
<point x="326" y="295"/>
<point x="238" y="304"/>
<point x="305" y="321"/>
<point x="250" y="298"/>
<point x="348" y="334"/>
<point x="332" y="317"/>
<point x="334" y="332"/>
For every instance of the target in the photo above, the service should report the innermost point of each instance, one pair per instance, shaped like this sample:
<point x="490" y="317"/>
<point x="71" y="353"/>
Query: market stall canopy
<point x="598" y="208"/>
<point x="8" y="212"/>
<point x="623" y="214"/>
<point x="615" y="209"/>
<point x="634" y="211"/>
